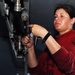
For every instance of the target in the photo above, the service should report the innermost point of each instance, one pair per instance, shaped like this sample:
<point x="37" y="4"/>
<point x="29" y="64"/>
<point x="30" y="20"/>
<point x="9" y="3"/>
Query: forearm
<point x="51" y="43"/>
<point x="32" y="60"/>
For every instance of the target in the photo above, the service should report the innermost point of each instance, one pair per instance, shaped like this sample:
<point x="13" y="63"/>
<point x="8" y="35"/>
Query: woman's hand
<point x="28" y="41"/>
<point x="38" y="30"/>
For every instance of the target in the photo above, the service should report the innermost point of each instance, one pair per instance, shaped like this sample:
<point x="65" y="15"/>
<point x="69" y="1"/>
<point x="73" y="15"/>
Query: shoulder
<point x="73" y="32"/>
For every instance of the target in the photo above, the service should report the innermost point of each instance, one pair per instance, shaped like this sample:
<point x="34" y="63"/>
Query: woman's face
<point x="62" y="21"/>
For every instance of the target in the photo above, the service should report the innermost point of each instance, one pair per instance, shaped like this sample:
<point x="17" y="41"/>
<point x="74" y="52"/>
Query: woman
<point x="59" y="56"/>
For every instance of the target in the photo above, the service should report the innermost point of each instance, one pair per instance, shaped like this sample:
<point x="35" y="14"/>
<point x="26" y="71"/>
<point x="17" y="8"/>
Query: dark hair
<point x="68" y="8"/>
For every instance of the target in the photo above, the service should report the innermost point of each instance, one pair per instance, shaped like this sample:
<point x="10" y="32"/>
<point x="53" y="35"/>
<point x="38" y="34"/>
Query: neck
<point x="63" y="32"/>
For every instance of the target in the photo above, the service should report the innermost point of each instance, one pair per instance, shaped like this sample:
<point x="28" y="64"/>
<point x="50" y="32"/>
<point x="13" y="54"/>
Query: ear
<point x="73" y="20"/>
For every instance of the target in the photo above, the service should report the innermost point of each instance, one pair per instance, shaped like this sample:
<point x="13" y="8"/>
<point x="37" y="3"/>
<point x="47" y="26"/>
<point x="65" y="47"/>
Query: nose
<point x="57" y="19"/>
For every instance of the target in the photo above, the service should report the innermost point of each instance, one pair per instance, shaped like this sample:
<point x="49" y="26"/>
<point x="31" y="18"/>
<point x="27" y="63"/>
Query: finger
<point x="25" y="42"/>
<point x="30" y="26"/>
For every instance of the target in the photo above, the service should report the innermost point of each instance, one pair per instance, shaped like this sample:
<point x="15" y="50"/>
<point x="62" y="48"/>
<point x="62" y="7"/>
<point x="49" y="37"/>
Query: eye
<point x="62" y="16"/>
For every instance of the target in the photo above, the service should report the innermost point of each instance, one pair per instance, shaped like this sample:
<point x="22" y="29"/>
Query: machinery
<point x="16" y="13"/>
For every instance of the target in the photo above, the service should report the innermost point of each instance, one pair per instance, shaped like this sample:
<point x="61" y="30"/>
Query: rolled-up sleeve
<point x="65" y="60"/>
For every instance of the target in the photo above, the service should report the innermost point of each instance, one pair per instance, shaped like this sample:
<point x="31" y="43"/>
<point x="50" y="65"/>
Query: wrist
<point x="43" y="33"/>
<point x="46" y="37"/>
<point x="31" y="48"/>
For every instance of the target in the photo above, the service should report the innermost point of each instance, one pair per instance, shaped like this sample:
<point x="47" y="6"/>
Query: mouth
<point x="57" y="24"/>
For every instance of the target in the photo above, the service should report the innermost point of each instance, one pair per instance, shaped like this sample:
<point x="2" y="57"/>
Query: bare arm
<point x="52" y="45"/>
<point x="32" y="61"/>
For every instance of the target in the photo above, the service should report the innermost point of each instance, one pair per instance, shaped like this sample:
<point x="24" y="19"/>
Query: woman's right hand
<point x="27" y="41"/>
<point x="38" y="30"/>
